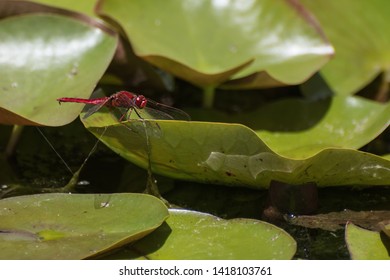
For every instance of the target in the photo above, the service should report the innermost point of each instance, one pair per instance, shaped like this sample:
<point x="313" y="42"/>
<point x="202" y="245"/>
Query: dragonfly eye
<point x="141" y="101"/>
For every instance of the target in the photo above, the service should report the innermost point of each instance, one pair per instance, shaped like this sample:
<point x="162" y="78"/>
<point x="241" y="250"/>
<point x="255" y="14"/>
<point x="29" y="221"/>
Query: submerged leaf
<point x="336" y="220"/>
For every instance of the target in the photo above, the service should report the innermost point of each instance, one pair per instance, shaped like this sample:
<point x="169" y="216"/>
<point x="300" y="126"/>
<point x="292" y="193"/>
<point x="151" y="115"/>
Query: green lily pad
<point x="193" y="235"/>
<point x="85" y="6"/>
<point x="125" y="68"/>
<point x="229" y="154"/>
<point x="361" y="41"/>
<point x="208" y="42"/>
<point x="300" y="128"/>
<point x="39" y="52"/>
<point x="350" y="122"/>
<point x="366" y="245"/>
<point x="74" y="226"/>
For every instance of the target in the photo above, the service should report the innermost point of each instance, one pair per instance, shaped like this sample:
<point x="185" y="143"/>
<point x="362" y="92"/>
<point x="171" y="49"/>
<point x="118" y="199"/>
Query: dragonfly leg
<point x="127" y="114"/>
<point x="138" y="114"/>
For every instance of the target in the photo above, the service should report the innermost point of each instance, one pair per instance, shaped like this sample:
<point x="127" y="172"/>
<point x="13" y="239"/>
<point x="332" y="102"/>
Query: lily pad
<point x="85" y="6"/>
<point x="38" y="53"/>
<point x="299" y="128"/>
<point x="189" y="235"/>
<point x="366" y="245"/>
<point x="205" y="152"/>
<point x="208" y="42"/>
<point x="74" y="226"/>
<point x="361" y="41"/>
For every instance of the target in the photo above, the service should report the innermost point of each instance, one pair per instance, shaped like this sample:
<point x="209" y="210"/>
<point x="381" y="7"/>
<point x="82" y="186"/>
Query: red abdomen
<point x="82" y="100"/>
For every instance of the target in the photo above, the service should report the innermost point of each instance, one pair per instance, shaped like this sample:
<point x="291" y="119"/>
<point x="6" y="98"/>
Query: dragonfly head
<point x="141" y="101"/>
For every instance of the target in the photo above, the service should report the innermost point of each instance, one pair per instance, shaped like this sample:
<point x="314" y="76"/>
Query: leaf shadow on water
<point x="287" y="110"/>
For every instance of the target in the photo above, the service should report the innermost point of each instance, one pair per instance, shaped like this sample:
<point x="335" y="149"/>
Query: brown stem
<point x="383" y="91"/>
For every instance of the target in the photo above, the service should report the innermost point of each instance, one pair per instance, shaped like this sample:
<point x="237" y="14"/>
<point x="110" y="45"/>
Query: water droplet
<point x="83" y="183"/>
<point x="233" y="49"/>
<point x="74" y="71"/>
<point x="104" y="204"/>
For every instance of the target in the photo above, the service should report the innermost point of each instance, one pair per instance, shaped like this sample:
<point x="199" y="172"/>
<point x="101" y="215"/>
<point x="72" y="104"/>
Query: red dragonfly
<point x="131" y="102"/>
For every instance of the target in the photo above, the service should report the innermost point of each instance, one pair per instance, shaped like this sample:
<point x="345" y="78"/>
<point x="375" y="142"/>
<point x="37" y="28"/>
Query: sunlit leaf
<point x="366" y="245"/>
<point x="74" y="226"/>
<point x="194" y="235"/>
<point x="361" y="40"/>
<point x="44" y="57"/>
<point x="208" y="42"/>
<point x="85" y="6"/>
<point x="206" y="152"/>
<point x="299" y="128"/>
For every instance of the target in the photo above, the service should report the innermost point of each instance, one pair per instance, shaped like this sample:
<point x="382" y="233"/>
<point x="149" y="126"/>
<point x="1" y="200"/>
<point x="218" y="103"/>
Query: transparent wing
<point x="94" y="109"/>
<point x="98" y="94"/>
<point x="163" y="112"/>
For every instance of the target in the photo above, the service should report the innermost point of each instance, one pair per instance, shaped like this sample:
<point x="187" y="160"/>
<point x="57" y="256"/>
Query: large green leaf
<point x="74" y="226"/>
<point x="85" y="6"/>
<point x="194" y="235"/>
<point x="366" y="245"/>
<point x="361" y="39"/>
<point x="125" y="69"/>
<point x="208" y="42"/>
<point x="44" y="57"/>
<point x="299" y="128"/>
<point x="229" y="154"/>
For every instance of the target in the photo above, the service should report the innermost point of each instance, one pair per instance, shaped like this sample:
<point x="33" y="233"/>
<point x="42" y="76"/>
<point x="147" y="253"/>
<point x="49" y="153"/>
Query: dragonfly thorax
<point x="126" y="99"/>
